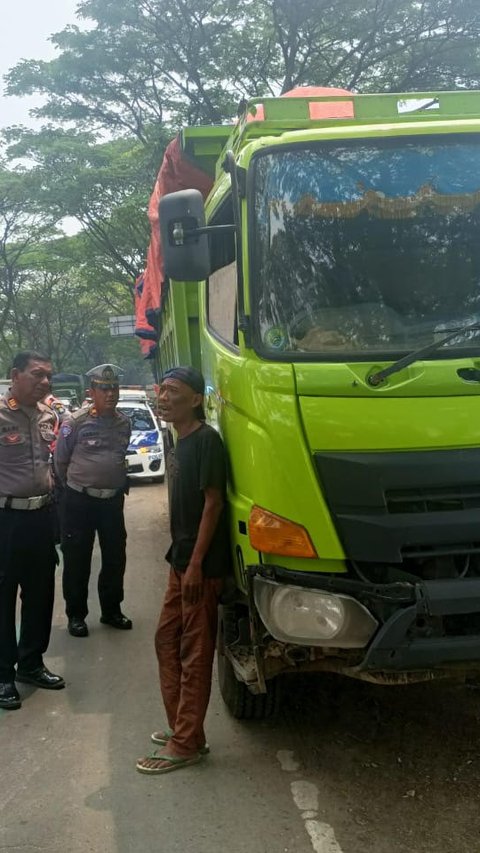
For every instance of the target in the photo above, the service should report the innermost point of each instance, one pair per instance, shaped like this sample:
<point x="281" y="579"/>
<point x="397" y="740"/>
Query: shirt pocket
<point x="91" y="442"/>
<point x="14" y="447"/>
<point x="12" y="438"/>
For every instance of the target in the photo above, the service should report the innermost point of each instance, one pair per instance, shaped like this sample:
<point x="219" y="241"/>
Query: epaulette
<point x="80" y="414"/>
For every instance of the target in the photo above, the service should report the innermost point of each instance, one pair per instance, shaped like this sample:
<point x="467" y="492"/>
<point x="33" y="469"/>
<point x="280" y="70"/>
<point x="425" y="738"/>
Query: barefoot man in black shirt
<point x="199" y="560"/>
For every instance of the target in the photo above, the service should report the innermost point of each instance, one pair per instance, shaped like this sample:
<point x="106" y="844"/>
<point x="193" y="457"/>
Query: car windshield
<point x="370" y="247"/>
<point x="140" y="419"/>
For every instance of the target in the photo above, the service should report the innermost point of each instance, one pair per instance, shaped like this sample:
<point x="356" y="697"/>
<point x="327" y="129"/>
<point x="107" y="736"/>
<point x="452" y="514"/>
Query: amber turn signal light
<point x="273" y="534"/>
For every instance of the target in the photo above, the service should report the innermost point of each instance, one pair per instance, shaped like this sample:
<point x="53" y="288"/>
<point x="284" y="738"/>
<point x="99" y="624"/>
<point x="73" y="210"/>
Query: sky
<point x="26" y="27"/>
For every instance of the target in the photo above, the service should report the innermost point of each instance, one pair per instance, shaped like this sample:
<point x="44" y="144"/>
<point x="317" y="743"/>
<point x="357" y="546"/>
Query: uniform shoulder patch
<point x="66" y="430"/>
<point x="12" y="403"/>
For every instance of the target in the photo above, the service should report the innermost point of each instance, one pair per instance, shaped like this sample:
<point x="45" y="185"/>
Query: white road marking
<point x="287" y="760"/>
<point x="322" y="837"/>
<point x="306" y="797"/>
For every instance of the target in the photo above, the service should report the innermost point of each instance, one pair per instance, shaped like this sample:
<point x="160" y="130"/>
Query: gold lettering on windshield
<point x="383" y="207"/>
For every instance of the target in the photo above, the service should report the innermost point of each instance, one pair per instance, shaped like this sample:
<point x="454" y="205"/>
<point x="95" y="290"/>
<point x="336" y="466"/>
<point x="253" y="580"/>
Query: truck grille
<point x="388" y="507"/>
<point x="432" y="500"/>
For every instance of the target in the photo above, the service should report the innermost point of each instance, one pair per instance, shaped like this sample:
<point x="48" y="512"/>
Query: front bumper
<point x="424" y="625"/>
<point x="441" y="628"/>
<point x="145" y="465"/>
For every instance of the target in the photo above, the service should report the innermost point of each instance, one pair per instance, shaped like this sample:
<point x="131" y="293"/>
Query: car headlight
<point x="151" y="448"/>
<point x="312" y="617"/>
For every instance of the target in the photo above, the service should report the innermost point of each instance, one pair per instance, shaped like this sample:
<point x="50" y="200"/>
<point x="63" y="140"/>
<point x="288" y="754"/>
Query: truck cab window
<point x="222" y="282"/>
<point x="368" y="247"/>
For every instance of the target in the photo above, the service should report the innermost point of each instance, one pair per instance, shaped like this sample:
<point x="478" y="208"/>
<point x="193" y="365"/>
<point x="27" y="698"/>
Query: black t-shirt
<point x="195" y="464"/>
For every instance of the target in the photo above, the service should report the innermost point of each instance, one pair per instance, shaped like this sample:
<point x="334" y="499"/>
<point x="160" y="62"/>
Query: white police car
<point x="145" y="453"/>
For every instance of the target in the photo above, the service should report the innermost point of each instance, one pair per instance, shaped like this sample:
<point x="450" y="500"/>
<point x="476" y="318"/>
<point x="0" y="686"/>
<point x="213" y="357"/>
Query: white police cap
<point x="106" y="375"/>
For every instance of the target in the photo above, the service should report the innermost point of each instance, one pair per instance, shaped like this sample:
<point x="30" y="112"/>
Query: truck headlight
<point x="311" y="617"/>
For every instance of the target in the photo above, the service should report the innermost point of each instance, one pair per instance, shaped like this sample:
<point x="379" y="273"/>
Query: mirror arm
<point x="182" y="235"/>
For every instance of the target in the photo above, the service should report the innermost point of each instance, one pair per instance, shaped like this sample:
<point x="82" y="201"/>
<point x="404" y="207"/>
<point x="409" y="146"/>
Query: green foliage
<point x="143" y="63"/>
<point x="125" y="78"/>
<point x="103" y="186"/>
<point x="59" y="308"/>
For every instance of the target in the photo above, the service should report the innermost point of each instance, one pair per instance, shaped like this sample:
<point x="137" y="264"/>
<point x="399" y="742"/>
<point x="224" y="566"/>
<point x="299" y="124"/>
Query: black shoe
<point x="9" y="696"/>
<point x="41" y="677"/>
<point x="77" y="627"/>
<point x="117" y="620"/>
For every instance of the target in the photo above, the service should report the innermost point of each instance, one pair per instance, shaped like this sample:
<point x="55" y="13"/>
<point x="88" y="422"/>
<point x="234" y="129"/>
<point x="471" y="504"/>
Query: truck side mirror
<point x="186" y="253"/>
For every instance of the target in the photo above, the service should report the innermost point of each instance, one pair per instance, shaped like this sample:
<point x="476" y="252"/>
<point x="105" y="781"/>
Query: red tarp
<point x="176" y="173"/>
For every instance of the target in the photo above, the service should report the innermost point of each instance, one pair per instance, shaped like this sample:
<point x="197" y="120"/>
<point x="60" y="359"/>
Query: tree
<point x="103" y="186"/>
<point x="22" y="225"/>
<point x="142" y="64"/>
<point x="61" y="310"/>
<point x="121" y="86"/>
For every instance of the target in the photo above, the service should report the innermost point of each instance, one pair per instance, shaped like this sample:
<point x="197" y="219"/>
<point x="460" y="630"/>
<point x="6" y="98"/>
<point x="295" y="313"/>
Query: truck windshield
<point x="370" y="247"/>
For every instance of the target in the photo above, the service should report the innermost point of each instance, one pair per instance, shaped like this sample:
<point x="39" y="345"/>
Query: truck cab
<point x="329" y="289"/>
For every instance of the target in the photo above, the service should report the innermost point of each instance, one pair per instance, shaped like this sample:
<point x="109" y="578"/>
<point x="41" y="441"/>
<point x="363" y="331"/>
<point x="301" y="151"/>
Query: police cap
<point x="105" y="376"/>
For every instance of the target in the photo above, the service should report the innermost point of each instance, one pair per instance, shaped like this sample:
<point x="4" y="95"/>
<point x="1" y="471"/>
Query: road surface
<point x="347" y="767"/>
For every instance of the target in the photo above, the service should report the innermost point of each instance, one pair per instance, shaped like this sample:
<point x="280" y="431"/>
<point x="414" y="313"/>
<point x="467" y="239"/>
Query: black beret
<point x="189" y="375"/>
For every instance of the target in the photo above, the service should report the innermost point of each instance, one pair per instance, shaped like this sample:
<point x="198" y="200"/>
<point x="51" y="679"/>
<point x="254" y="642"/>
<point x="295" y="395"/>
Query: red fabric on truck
<point x="176" y="173"/>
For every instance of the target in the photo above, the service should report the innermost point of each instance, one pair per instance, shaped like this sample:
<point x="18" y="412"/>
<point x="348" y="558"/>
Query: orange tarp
<point x="176" y="173"/>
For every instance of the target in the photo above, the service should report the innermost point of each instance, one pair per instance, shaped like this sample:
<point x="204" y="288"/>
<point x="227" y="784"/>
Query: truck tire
<point x="242" y="704"/>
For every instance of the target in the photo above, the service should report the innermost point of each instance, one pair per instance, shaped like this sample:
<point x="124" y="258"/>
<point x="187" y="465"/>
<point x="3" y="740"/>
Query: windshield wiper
<point x="377" y="378"/>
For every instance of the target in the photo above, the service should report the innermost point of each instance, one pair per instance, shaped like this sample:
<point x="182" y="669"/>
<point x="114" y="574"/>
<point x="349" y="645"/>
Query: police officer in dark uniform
<point x="90" y="465"/>
<point x="28" y="556"/>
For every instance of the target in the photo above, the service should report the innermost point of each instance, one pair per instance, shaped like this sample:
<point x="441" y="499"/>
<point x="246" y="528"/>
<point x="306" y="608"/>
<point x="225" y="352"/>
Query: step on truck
<point x="329" y="290"/>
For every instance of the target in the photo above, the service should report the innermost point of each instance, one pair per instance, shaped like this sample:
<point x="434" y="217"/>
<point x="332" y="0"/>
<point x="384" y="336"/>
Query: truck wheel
<point x="242" y="704"/>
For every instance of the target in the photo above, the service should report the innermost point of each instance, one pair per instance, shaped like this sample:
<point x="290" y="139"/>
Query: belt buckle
<point x="19" y="503"/>
<point x="37" y="502"/>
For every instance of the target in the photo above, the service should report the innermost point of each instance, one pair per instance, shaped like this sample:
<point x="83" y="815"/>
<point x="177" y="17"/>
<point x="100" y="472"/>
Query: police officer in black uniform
<point x="28" y="556"/>
<point x="90" y="465"/>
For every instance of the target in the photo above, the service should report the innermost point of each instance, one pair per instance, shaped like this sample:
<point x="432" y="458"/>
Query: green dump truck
<point x="329" y="289"/>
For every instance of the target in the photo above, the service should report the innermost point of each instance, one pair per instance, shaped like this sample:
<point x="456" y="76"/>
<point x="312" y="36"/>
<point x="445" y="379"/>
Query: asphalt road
<point x="347" y="767"/>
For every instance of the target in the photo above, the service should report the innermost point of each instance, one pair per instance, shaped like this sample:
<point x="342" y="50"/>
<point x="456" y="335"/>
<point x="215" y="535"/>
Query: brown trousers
<point x="185" y="646"/>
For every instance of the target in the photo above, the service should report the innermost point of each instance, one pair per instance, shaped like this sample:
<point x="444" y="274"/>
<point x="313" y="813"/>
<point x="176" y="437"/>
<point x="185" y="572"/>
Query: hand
<point x="192" y="587"/>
